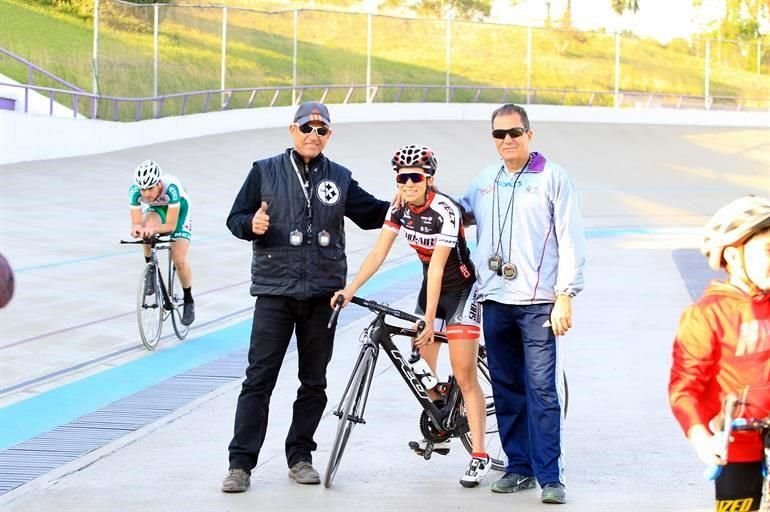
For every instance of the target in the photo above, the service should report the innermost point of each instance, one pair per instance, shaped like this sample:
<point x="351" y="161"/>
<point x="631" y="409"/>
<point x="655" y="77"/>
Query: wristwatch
<point x="569" y="293"/>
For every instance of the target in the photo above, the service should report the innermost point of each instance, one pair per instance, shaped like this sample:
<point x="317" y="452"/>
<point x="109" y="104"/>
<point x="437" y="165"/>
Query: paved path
<point x="68" y="341"/>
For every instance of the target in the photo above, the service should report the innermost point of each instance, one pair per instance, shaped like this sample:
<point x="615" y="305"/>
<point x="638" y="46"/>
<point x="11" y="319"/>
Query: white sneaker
<point x="419" y="447"/>
<point x="477" y="470"/>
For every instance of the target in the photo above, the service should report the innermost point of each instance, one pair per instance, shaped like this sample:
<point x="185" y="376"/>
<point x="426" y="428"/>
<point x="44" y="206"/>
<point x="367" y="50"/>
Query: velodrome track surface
<point x="69" y="344"/>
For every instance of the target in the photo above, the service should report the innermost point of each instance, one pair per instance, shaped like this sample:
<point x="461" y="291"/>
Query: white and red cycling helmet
<point x="415" y="155"/>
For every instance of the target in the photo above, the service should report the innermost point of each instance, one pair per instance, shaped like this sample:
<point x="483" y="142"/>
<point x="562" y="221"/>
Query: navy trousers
<point x="527" y="387"/>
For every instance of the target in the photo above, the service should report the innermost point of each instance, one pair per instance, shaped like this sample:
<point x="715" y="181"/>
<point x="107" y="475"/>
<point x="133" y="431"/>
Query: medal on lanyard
<point x="495" y="262"/>
<point x="324" y="238"/>
<point x="509" y="271"/>
<point x="295" y="238"/>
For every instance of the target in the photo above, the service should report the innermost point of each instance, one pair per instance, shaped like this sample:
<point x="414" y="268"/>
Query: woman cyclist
<point x="722" y="347"/>
<point x="432" y="224"/>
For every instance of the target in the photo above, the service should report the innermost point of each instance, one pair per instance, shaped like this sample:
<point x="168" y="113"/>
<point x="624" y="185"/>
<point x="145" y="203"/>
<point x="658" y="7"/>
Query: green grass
<point x="332" y="50"/>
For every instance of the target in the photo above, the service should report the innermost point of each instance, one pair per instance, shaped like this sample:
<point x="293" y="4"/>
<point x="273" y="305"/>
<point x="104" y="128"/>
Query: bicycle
<point x="154" y="308"/>
<point x="732" y="424"/>
<point x="439" y="421"/>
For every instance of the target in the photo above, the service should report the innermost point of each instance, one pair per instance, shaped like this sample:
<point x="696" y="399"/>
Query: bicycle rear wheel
<point x="492" y="440"/>
<point x="177" y="303"/>
<point x="352" y="410"/>
<point x="149" y="308"/>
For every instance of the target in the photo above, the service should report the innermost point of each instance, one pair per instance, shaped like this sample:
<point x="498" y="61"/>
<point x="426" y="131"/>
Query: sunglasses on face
<point x="515" y="133"/>
<point x="321" y="131"/>
<point x="416" y="177"/>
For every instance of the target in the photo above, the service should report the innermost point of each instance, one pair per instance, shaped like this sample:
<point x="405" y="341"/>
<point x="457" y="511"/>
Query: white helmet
<point x="733" y="224"/>
<point x="147" y="174"/>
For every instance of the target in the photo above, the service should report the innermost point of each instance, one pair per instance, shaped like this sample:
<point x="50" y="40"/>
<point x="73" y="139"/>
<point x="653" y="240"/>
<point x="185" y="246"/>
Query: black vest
<point x="308" y="269"/>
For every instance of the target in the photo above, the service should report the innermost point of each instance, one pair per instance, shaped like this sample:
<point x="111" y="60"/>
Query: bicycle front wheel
<point x="149" y="307"/>
<point x="492" y="438"/>
<point x="352" y="410"/>
<point x="176" y="295"/>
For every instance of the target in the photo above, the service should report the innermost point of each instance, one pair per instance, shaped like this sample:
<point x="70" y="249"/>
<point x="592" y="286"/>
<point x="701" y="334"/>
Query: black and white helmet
<point x="147" y="174"/>
<point x="733" y="224"/>
<point x="415" y="155"/>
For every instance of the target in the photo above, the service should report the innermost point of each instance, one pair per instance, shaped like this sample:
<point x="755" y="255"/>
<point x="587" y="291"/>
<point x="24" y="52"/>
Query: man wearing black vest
<point x="291" y="208"/>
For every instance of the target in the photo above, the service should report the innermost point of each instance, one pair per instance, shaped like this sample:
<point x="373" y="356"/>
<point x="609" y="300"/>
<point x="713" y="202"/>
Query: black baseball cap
<point x="312" y="111"/>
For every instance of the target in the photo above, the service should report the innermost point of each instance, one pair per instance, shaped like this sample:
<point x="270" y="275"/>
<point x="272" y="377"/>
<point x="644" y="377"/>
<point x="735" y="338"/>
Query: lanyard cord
<point x="500" y="220"/>
<point x="301" y="181"/>
<point x="510" y="229"/>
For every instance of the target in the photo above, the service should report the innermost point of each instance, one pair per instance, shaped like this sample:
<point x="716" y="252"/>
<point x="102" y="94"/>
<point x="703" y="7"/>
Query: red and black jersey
<point x="723" y="346"/>
<point x="437" y="222"/>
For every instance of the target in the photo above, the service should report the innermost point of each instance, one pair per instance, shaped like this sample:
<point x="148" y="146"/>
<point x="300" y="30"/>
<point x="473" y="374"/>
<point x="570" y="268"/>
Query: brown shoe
<point x="303" y="473"/>
<point x="237" y="480"/>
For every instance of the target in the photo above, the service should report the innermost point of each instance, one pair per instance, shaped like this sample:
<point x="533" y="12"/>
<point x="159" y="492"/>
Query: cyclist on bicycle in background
<point x="160" y="204"/>
<point x="722" y="346"/>
<point x="432" y="224"/>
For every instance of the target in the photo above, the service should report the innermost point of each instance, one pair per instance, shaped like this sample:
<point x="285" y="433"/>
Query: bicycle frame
<point x="379" y="335"/>
<point x="167" y="303"/>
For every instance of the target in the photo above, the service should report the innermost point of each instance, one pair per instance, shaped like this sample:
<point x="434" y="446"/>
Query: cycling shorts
<point x="458" y="309"/>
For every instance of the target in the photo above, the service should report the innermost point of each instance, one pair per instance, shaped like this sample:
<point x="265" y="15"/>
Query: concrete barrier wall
<point x="30" y="137"/>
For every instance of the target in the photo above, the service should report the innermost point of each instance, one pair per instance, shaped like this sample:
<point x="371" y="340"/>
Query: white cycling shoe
<point x="477" y="470"/>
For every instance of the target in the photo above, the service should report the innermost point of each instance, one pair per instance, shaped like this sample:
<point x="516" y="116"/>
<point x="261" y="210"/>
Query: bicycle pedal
<point x="441" y="451"/>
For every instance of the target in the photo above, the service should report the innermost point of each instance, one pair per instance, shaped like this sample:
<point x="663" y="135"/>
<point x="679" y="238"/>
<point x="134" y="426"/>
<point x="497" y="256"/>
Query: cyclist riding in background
<point x="160" y="204"/>
<point x="432" y="224"/>
<point x="722" y="347"/>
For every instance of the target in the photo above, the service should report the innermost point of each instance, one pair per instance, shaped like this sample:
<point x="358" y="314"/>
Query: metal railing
<point x="136" y="109"/>
<point x="33" y="68"/>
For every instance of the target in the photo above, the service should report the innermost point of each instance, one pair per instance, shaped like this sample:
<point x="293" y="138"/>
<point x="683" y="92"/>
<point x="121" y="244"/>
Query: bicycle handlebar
<point x="733" y="424"/>
<point x="153" y="240"/>
<point x="375" y="307"/>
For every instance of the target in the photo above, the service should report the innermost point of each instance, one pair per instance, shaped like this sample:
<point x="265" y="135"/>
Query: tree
<point x="741" y="19"/>
<point x="621" y="6"/>
<point x="463" y="9"/>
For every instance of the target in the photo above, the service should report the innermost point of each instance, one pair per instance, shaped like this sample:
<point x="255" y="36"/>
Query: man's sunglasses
<point x="515" y="133"/>
<point x="321" y="131"/>
<point x="416" y="177"/>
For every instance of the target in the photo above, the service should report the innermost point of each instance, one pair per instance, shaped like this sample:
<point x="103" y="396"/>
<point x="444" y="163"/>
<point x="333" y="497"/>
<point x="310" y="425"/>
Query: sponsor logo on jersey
<point x="423" y="240"/>
<point x="753" y="338"/>
<point x="450" y="212"/>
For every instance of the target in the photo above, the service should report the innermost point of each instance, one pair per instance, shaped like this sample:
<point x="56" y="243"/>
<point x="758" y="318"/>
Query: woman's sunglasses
<point x="416" y="177"/>
<point x="321" y="131"/>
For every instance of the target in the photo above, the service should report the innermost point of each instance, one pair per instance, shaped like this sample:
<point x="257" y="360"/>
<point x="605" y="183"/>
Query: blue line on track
<point x="26" y="419"/>
<point x="590" y="233"/>
<point x="45" y="411"/>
